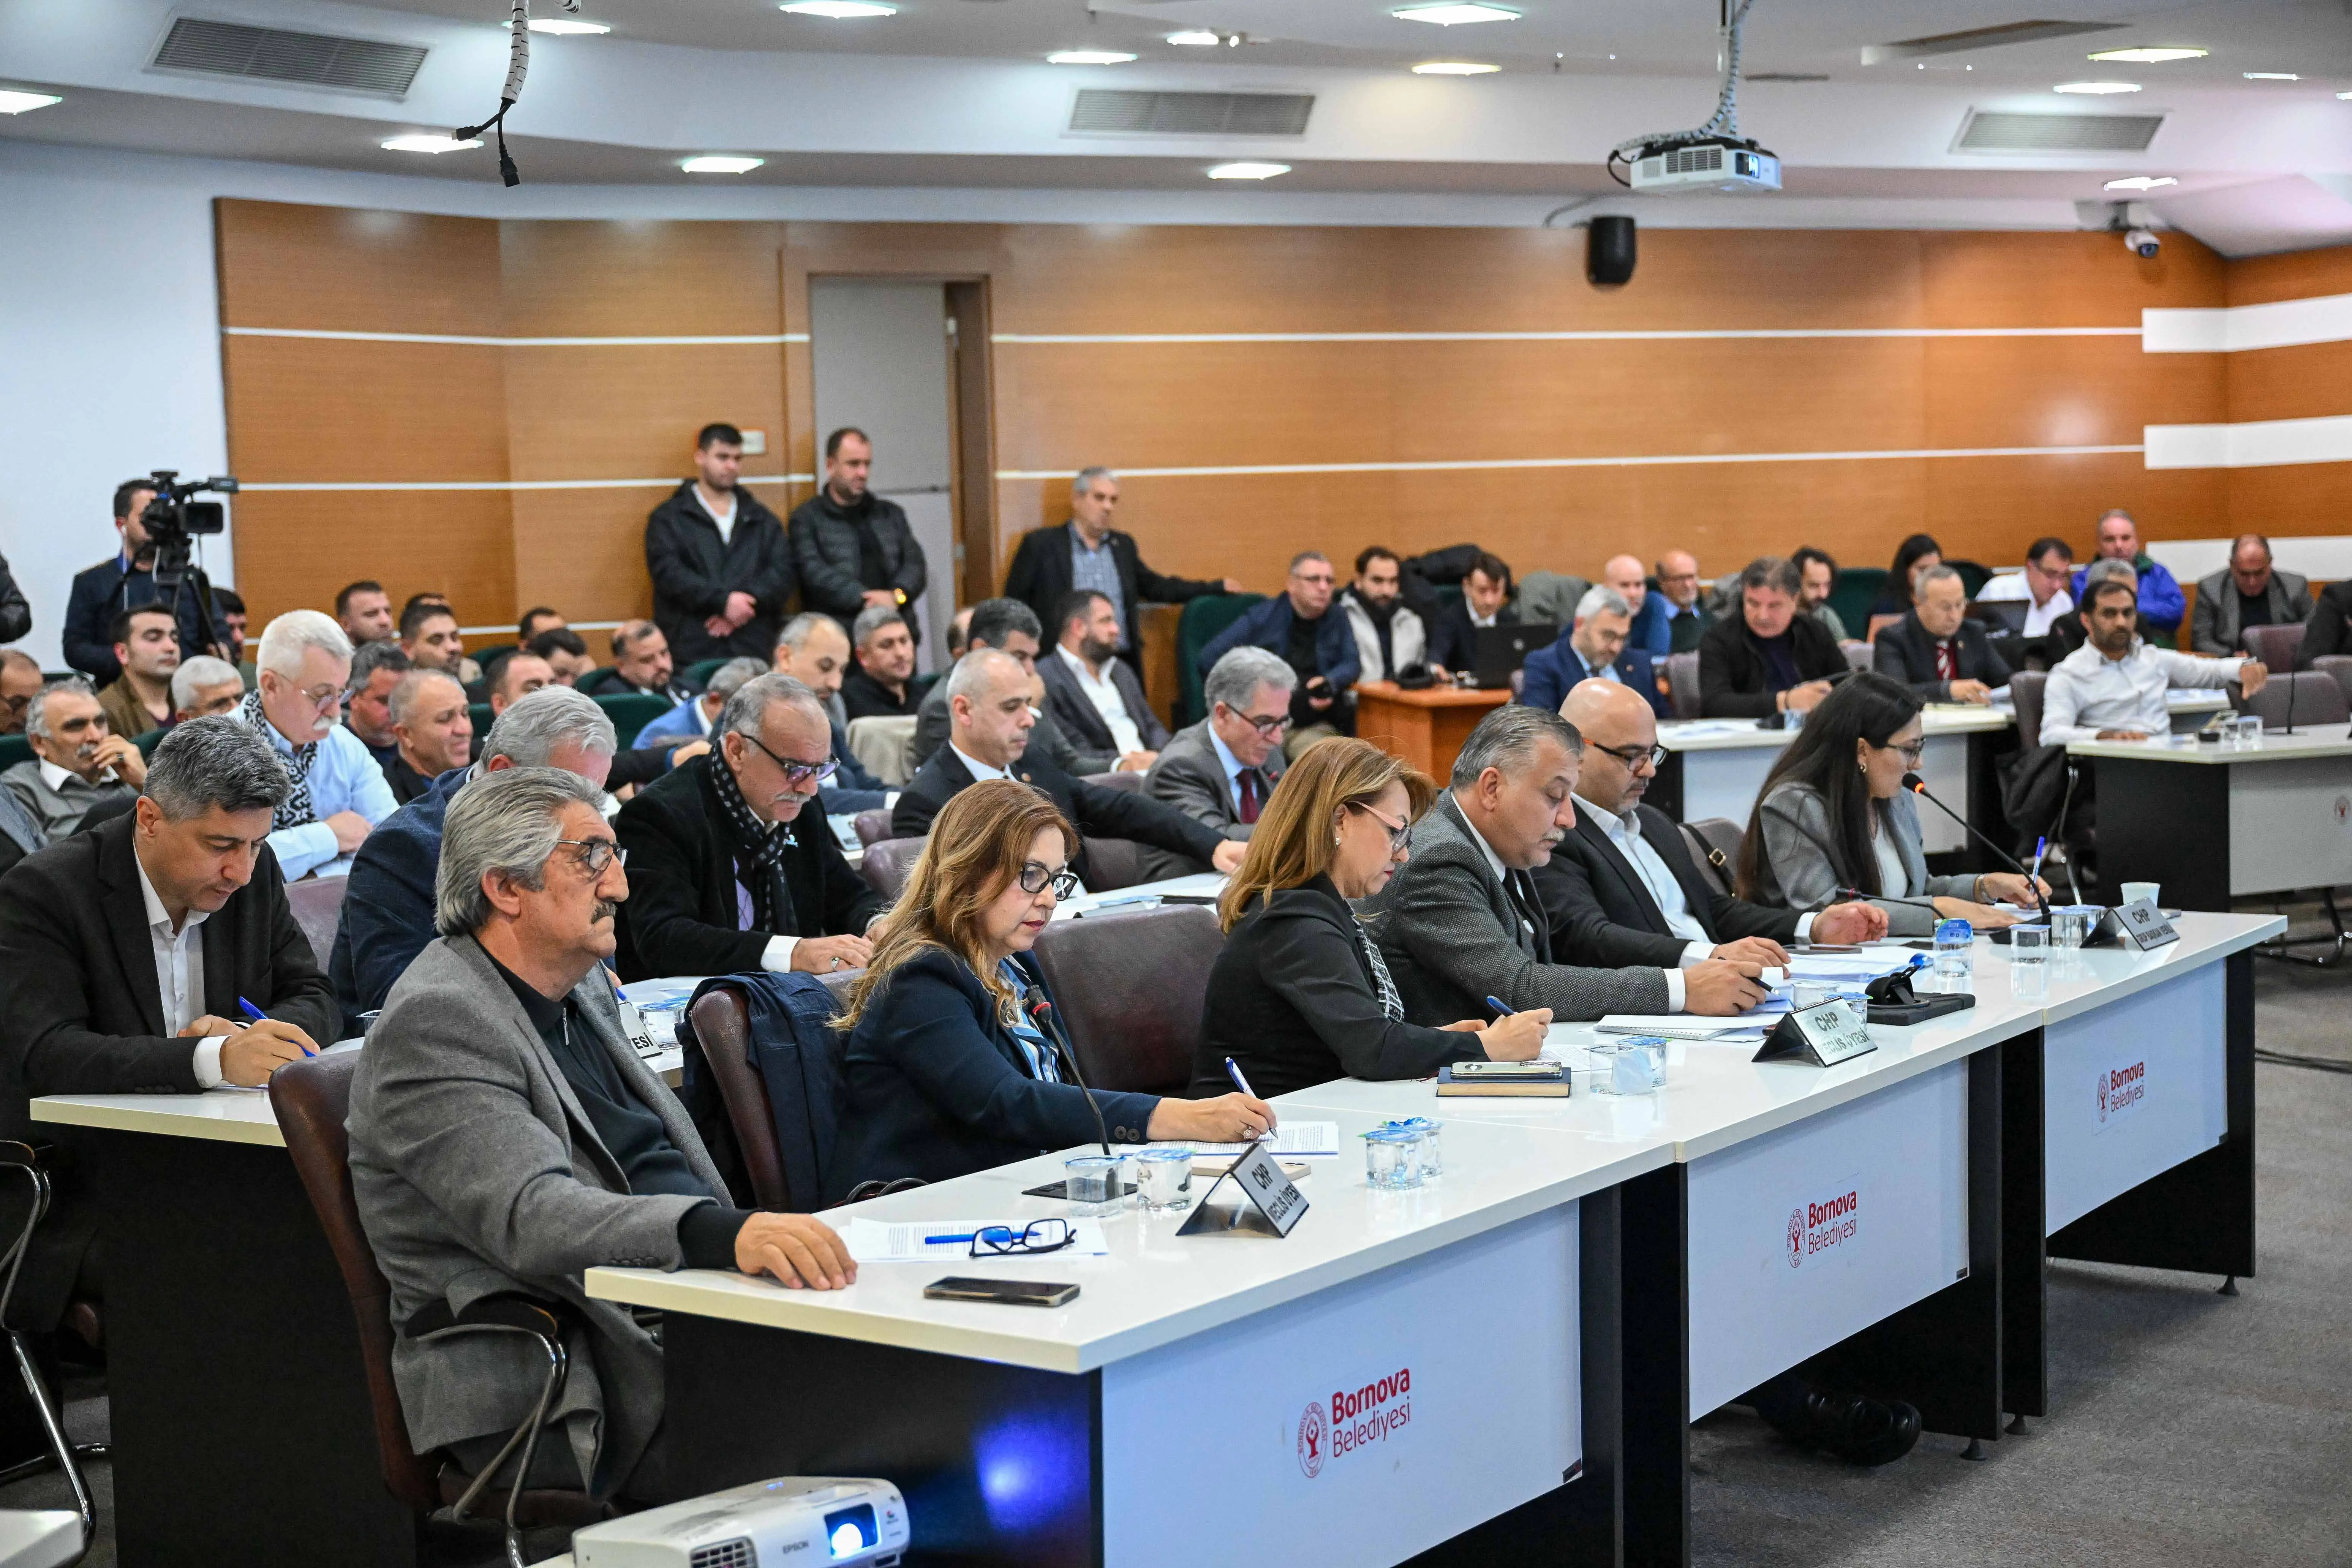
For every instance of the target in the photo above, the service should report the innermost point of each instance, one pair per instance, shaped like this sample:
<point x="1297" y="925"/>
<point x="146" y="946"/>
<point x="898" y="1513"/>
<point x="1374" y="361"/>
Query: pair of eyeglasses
<point x="796" y="774"/>
<point x="1038" y="1236"/>
<point x="1400" y="833"/>
<point x="1634" y="756"/>
<point x="595" y="854"/>
<point x="322" y="696"/>
<point x="1271" y="727"/>
<point x="1034" y="877"/>
<point x="1913" y="752"/>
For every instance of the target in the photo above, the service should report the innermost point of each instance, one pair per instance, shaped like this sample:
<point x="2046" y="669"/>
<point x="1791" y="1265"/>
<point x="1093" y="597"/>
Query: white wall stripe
<point x="1455" y="465"/>
<point x="670" y="484"/>
<point x="1595" y="337"/>
<point x="2254" y="444"/>
<point x="2236" y="329"/>
<point x="498" y="342"/>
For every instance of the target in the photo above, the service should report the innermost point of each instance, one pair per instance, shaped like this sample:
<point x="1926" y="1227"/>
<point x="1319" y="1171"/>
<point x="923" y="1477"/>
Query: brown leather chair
<point x="1132" y="783"/>
<point x="317" y="906"/>
<point x="1112" y="864"/>
<point x="1682" y="683"/>
<point x="1131" y="990"/>
<point x="873" y="826"/>
<point x="2025" y="688"/>
<point x="723" y="1025"/>
<point x="2338" y="668"/>
<point x="888" y="864"/>
<point x="312" y="1098"/>
<point x="1714" y="843"/>
<point x="2275" y="646"/>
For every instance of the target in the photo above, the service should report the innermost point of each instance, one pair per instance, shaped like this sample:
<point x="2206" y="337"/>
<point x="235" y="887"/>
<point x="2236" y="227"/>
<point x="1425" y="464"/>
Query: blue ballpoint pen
<point x="254" y="1015"/>
<point x="1234" y="1072"/>
<point x="1497" y="1004"/>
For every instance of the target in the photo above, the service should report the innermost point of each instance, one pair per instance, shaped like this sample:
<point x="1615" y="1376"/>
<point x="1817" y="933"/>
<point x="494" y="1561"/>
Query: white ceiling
<point x="956" y="93"/>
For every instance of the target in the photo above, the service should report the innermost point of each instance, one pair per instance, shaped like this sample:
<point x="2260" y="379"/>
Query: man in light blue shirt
<point x="340" y="793"/>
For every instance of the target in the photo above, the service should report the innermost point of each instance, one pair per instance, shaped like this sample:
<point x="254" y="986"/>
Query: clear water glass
<point x="1393" y="1158"/>
<point x="1163" y="1180"/>
<point x="1432" y="1162"/>
<point x="2028" y="943"/>
<point x="1090" y="1183"/>
<point x="2070" y="925"/>
<point x="2250" y="731"/>
<point x="1628" y="1067"/>
<point x="1954" y="955"/>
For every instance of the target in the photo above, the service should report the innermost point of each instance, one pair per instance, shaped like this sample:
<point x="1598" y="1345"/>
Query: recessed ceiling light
<point x="2149" y="56"/>
<point x="1195" y="38"/>
<point x="1248" y="171"/>
<point x="2141" y="182"/>
<point x="1453" y="68"/>
<point x="1455" y="13"/>
<point x="2096" y="87"/>
<point x="720" y="164"/>
<point x="2345" y="95"/>
<point x="1088" y="57"/>
<point x="430" y="142"/>
<point x="565" y="27"/>
<point x="2270" y="75"/>
<point x="14" y="100"/>
<point x="839" y="10"/>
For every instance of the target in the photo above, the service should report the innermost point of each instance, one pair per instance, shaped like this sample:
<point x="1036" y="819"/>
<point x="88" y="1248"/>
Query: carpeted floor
<point x="2186" y="1428"/>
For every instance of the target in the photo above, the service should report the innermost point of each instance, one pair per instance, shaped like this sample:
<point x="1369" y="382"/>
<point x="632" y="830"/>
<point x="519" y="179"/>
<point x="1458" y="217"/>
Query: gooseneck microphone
<point x="1918" y="786"/>
<point x="1042" y="1009"/>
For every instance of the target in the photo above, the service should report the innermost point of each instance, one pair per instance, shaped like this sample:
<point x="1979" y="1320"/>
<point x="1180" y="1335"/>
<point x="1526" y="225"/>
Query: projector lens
<point x="851" y="1530"/>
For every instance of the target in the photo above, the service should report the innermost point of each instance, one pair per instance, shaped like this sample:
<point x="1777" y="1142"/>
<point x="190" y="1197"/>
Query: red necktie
<point x="1248" y="780"/>
<point x="1948" y="663"/>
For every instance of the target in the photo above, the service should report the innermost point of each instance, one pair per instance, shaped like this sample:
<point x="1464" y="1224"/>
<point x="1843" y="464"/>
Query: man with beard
<point x="1389" y="637"/>
<point x="1094" y="693"/>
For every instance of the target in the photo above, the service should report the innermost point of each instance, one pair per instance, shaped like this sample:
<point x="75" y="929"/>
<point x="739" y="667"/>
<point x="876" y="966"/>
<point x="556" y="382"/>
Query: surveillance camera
<point x="2142" y="243"/>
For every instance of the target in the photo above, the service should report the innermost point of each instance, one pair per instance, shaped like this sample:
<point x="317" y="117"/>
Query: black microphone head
<point x="1915" y="783"/>
<point x="1036" y="1000"/>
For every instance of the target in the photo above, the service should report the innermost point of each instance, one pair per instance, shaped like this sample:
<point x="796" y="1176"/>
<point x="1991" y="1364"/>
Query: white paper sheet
<point x="1290" y="1138"/>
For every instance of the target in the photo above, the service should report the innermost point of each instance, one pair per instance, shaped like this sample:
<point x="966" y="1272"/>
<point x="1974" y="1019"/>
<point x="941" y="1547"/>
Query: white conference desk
<point x="1673" y="1210"/>
<point x="2212" y="825"/>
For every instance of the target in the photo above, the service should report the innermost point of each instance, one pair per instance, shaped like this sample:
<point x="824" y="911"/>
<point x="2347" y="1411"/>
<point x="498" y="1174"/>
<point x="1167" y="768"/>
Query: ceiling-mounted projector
<point x="1712" y="165"/>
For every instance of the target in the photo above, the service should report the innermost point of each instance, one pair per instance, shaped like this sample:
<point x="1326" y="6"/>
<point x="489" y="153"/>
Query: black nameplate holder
<point x="2140" y="924"/>
<point x="1822" y="1036"/>
<point x="1273" y="1204"/>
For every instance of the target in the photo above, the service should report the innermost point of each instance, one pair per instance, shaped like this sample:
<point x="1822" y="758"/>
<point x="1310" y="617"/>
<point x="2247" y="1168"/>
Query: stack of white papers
<point x="1288" y="1138"/>
<point x="934" y="1240"/>
<point x="1676" y="1025"/>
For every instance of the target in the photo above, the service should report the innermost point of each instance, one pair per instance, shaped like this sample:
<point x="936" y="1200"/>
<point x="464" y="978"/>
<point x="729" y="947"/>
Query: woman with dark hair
<point x="1912" y="557"/>
<point x="1833" y="816"/>
<point x="945" y="1073"/>
<point x="1300" y="993"/>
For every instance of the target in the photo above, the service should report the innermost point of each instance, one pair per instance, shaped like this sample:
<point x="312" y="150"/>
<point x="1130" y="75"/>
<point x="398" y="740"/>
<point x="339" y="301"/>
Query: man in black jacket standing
<point x="723" y="571"/>
<point x="104" y="591"/>
<point x="1089" y="553"/>
<point x="1622" y="890"/>
<point x="733" y="865"/>
<point x="990" y="720"/>
<point x="1936" y="649"/>
<point x="124" y="952"/>
<point x="853" y="549"/>
<point x="1766" y="658"/>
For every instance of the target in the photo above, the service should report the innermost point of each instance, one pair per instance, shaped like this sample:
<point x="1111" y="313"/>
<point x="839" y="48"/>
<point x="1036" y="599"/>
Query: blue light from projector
<point x="851" y="1530"/>
<point x="1031" y="1470"/>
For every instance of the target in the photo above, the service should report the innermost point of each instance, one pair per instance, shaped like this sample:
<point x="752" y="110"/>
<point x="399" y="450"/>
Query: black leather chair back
<point x="1130" y="989"/>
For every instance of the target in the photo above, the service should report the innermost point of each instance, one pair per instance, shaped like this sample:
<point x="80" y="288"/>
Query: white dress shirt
<point x="1624" y="836"/>
<point x="978" y="770"/>
<point x="1124" y="735"/>
<point x="2089" y="692"/>
<point x="2010" y="587"/>
<point x="1674" y="997"/>
<point x="180" y="974"/>
<point x="726" y="519"/>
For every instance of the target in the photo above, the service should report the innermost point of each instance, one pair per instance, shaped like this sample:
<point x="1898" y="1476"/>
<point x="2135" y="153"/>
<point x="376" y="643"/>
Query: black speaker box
<point x="1609" y="251"/>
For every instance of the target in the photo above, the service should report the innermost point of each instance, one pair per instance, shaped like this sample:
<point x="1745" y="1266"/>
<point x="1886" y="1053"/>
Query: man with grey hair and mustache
<point x="77" y="764"/>
<point x="125" y="951"/>
<point x="1463" y="920"/>
<point x="338" y="792"/>
<point x="505" y="1136"/>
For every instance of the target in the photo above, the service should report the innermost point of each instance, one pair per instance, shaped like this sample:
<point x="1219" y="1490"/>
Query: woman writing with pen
<point x="1300" y="993"/>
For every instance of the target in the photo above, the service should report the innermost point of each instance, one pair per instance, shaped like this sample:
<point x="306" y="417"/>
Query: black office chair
<point x="37" y="1537"/>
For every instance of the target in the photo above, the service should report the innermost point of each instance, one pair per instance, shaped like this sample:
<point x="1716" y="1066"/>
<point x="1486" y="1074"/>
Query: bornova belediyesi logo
<point x="1816" y="1226"/>
<point x="2121" y="1089"/>
<point x="1370" y="1415"/>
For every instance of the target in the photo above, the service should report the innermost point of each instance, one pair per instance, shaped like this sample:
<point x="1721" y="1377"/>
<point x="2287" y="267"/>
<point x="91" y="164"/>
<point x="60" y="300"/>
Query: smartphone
<point x="1507" y="1069"/>
<point x="1011" y="1292"/>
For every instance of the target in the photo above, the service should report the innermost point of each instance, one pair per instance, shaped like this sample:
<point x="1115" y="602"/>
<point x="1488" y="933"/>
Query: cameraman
<point x="125" y="583"/>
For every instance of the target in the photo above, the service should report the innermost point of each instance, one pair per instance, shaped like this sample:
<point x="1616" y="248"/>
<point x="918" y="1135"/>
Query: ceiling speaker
<point x="1609" y="252"/>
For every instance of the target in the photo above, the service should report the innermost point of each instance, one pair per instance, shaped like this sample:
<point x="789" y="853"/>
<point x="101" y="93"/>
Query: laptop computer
<point x="1502" y="649"/>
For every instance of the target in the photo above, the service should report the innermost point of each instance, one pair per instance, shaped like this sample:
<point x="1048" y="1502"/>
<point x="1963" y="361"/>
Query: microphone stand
<point x="1918" y="786"/>
<point x="1042" y="1010"/>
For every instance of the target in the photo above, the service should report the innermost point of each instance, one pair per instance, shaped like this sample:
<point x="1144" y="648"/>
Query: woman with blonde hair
<point x="946" y="1072"/>
<point x="1300" y="994"/>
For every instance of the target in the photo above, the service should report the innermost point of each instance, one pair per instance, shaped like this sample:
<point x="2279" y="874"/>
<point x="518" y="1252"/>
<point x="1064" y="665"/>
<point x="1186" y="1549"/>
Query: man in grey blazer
<point x="505" y="1137"/>
<point x="1462" y="920"/>
<point x="2250" y="593"/>
<point x="1220" y="769"/>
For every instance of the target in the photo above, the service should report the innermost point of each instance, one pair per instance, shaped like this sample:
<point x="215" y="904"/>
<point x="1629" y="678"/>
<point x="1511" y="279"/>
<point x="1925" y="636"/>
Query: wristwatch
<point x="899" y="597"/>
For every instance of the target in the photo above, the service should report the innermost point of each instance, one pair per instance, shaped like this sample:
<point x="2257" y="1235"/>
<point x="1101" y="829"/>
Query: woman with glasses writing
<point x="948" y="1070"/>
<point x="1834" y="819"/>
<point x="1300" y="993"/>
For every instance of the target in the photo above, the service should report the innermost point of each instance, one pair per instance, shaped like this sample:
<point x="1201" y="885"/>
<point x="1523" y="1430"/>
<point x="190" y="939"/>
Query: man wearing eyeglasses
<point x="1621" y="888"/>
<point x="733" y="864"/>
<point x="340" y="793"/>
<point x="1220" y="771"/>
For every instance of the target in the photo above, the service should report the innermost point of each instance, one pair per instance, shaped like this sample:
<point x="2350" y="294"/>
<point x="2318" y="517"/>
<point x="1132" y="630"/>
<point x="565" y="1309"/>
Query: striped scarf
<point x="296" y="808"/>
<point x="758" y="852"/>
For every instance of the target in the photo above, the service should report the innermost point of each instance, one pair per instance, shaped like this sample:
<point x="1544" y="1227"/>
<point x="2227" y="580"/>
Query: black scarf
<point x="758" y="849"/>
<point x="296" y="809"/>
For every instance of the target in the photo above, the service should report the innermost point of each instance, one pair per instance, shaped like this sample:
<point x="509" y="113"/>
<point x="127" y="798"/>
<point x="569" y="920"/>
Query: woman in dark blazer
<point x="1300" y="994"/>
<point x="946" y="1073"/>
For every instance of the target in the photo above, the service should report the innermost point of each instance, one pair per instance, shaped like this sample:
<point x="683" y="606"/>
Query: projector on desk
<point x="796" y="1519"/>
<point x="1716" y="164"/>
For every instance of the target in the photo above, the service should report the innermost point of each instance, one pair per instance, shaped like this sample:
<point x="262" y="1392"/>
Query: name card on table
<point x="1275" y="1204"/>
<point x="2143" y="925"/>
<point x="1821" y="1035"/>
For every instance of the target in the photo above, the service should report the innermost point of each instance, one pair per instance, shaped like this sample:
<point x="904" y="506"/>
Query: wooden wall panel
<point x="631" y="412"/>
<point x="325" y="411"/>
<point x="640" y="280"/>
<point x="2299" y="275"/>
<point x="355" y="270"/>
<point x="2061" y="392"/>
<point x="294" y="550"/>
<point x="2301" y="499"/>
<point x="1975" y="279"/>
<point x="2305" y="382"/>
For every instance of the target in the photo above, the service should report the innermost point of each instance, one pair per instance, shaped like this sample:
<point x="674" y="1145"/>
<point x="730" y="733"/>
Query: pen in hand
<point x="1501" y="1010"/>
<point x="254" y="1015"/>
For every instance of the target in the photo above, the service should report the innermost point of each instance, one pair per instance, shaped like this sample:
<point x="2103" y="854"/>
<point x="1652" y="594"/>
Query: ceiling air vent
<point x="277" y="54"/>
<point x="1980" y="38"/>
<point x="1113" y="111"/>
<point x="1984" y="132"/>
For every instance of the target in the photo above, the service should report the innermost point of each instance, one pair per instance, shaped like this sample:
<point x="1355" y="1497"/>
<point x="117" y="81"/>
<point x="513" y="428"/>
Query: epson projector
<point x="801" y="1520"/>
<point x="1728" y="166"/>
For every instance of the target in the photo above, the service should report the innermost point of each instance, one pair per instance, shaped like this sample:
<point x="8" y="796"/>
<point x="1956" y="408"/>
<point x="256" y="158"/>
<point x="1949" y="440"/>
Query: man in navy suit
<point x="1595" y="647"/>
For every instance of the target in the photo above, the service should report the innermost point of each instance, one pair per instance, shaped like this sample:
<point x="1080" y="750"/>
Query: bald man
<point x="1681" y="592"/>
<point x="1650" y="633"/>
<point x="1622" y="889"/>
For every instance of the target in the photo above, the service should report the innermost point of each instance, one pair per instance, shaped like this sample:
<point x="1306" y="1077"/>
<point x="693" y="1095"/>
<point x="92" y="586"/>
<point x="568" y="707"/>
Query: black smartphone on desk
<point x="1007" y="1292"/>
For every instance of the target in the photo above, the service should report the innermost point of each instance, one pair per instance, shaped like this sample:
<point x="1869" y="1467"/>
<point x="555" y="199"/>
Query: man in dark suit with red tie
<point x="1220" y="771"/>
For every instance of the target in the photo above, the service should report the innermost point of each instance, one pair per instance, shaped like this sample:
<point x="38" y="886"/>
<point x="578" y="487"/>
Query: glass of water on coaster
<point x="1163" y="1180"/>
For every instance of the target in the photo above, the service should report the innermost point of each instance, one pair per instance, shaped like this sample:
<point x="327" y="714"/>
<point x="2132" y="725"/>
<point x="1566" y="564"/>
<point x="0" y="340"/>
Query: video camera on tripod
<point x="172" y="521"/>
